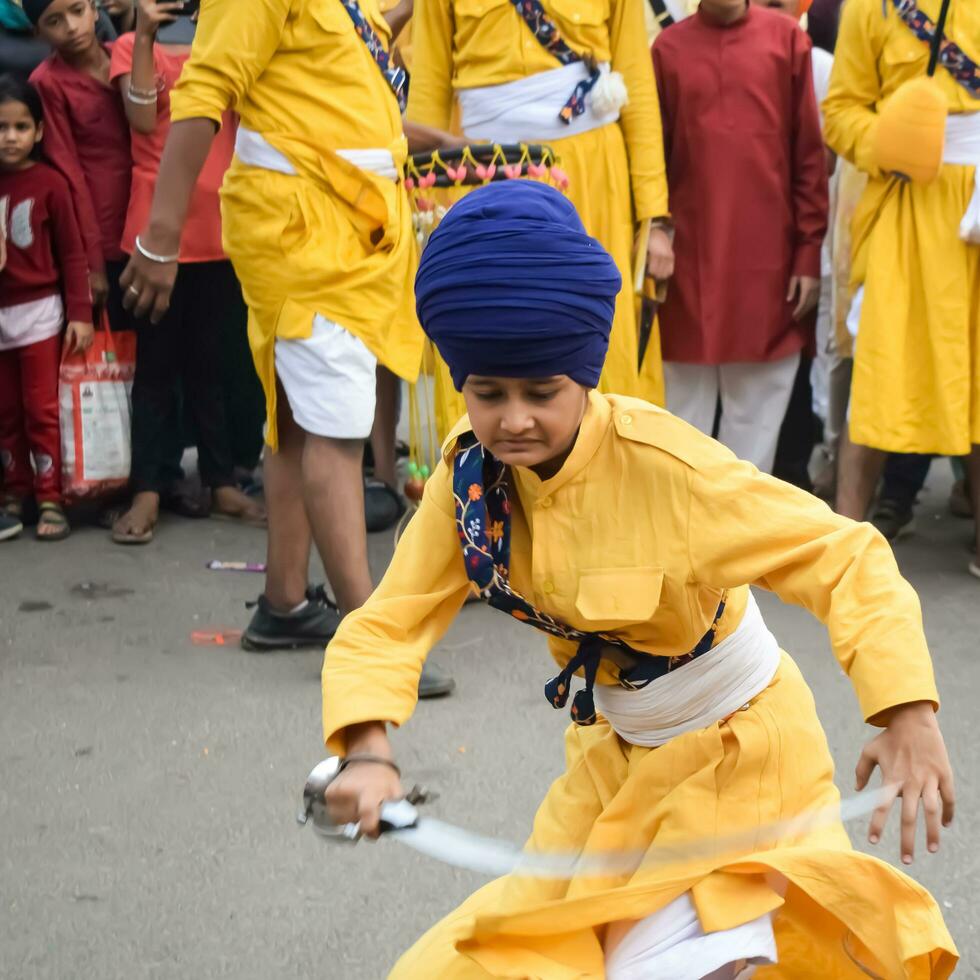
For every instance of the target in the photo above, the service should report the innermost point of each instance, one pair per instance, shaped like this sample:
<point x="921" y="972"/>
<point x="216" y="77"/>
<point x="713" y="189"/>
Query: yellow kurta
<point x="650" y="565"/>
<point x="333" y="240"/>
<point x="917" y="358"/>
<point x="616" y="173"/>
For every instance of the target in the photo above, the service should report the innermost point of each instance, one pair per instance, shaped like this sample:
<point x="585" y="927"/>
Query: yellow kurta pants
<point x="916" y="385"/>
<point x="599" y="187"/>
<point x="834" y="908"/>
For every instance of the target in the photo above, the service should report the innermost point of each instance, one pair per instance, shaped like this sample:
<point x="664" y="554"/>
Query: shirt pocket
<point x="332" y="18"/>
<point x="591" y="13"/>
<point x="475" y="9"/>
<point x="614" y="597"/>
<point x="905" y="55"/>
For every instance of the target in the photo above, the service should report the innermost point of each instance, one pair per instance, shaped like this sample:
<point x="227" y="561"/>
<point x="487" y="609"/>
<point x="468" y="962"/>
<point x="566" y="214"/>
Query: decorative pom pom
<point x="609" y="94"/>
<point x="414" y="488"/>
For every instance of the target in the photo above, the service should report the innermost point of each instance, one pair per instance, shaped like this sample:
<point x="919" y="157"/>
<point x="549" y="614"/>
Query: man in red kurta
<point x="748" y="189"/>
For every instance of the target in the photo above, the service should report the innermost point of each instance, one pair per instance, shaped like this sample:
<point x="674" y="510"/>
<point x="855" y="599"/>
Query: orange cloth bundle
<point x="911" y="131"/>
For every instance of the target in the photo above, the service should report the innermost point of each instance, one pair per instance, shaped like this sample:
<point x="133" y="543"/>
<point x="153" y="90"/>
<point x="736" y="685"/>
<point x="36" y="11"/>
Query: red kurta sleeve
<point x="62" y="153"/>
<point x="809" y="174"/>
<point x="69" y="253"/>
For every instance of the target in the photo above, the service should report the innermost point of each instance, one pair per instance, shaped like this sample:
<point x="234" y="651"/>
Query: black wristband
<point x="367" y="757"/>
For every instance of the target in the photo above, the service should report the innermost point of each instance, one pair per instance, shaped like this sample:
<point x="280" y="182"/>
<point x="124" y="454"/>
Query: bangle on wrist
<point x="138" y="98"/>
<point x="153" y="257"/>
<point x="367" y="757"/>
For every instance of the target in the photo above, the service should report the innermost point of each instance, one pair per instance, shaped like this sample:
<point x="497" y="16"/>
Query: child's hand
<point x="660" y="255"/>
<point x="79" y="337"/>
<point x="808" y="290"/>
<point x="914" y="765"/>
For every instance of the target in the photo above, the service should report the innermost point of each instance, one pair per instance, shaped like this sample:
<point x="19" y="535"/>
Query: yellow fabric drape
<point x="916" y="381"/>
<point x="333" y="240"/>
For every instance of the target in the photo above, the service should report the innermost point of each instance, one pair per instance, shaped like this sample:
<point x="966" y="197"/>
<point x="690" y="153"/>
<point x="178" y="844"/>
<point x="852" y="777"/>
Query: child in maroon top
<point x="86" y="137"/>
<point x="43" y="274"/>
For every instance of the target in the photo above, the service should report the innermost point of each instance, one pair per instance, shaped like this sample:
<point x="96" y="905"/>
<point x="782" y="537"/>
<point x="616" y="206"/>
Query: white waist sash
<point x="963" y="147"/>
<point x="526" y="110"/>
<point x="698" y="694"/>
<point x="253" y="149"/>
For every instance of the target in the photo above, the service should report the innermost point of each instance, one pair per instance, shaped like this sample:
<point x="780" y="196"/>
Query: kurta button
<point x="545" y="502"/>
<point x="627" y="420"/>
<point x="576" y="17"/>
<point x="548" y="587"/>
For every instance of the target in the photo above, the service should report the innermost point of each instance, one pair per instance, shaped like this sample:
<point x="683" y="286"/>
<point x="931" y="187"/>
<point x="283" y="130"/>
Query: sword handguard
<point x="395" y="814"/>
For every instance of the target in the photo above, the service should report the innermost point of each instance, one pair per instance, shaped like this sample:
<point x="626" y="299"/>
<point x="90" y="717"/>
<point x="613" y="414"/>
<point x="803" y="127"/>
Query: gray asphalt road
<point x="148" y="786"/>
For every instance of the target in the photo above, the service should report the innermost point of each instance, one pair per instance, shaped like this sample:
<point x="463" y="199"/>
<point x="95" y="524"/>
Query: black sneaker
<point x="10" y="526"/>
<point x="435" y="682"/>
<point x="893" y="519"/>
<point x="311" y="626"/>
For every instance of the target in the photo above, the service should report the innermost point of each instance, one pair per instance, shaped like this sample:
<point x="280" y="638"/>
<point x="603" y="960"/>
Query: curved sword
<point x="402" y="822"/>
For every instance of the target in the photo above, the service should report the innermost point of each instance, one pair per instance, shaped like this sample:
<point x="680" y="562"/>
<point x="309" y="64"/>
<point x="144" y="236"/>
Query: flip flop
<point x="50" y="514"/>
<point x="130" y="537"/>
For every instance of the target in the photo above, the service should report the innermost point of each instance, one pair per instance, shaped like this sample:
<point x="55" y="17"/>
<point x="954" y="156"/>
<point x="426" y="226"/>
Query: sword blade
<point x="487" y="855"/>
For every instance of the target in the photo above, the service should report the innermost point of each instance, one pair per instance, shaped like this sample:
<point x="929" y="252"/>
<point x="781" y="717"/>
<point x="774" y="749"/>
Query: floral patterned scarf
<point x="483" y="522"/>
<point x="546" y="32"/>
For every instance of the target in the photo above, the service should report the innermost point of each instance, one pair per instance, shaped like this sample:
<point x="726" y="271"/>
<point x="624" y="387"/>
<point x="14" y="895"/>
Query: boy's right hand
<point x="151" y="15"/>
<point x="356" y="795"/>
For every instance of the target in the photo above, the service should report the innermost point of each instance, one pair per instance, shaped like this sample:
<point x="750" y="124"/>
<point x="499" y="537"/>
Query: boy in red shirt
<point x="86" y="137"/>
<point x="43" y="261"/>
<point x="748" y="190"/>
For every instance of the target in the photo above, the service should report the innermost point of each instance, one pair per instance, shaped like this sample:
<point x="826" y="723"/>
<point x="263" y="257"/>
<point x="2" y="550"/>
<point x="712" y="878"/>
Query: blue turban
<point x="510" y="285"/>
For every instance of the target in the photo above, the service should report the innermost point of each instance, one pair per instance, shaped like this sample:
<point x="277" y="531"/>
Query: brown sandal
<point x="52" y="515"/>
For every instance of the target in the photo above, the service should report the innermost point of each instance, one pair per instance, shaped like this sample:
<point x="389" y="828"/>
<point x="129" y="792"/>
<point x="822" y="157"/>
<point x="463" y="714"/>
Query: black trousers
<point x="184" y="349"/>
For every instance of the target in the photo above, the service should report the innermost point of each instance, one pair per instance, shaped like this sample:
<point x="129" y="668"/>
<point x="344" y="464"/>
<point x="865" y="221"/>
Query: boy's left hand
<point x="914" y="765"/>
<point x="807" y="289"/>
<point x="660" y="255"/>
<point x="79" y="337"/>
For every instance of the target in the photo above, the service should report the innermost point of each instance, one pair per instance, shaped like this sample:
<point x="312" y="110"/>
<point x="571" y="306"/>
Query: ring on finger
<point x="133" y="290"/>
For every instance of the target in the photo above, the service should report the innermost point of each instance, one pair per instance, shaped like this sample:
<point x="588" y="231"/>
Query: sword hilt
<point x="395" y="814"/>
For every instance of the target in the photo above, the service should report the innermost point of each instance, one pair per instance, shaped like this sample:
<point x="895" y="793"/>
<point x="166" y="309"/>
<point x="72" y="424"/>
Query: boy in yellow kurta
<point x="512" y="88"/>
<point x="631" y="540"/>
<point x="916" y="254"/>
<point x="317" y="224"/>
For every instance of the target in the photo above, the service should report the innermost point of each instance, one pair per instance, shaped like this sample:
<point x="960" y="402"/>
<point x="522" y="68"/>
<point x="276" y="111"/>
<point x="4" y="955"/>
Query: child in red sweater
<point x="43" y="276"/>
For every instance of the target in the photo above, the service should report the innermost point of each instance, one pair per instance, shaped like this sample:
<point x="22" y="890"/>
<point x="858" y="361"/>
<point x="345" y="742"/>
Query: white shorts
<point x="329" y="379"/>
<point x="671" y="945"/>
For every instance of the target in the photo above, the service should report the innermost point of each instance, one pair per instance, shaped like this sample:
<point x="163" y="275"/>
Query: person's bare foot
<point x="230" y="502"/>
<point x="136" y="525"/>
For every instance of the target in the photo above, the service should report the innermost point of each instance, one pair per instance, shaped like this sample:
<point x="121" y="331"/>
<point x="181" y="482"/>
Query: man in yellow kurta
<point x="631" y="540"/>
<point x="511" y="89"/>
<point x="916" y="256"/>
<point x="317" y="224"/>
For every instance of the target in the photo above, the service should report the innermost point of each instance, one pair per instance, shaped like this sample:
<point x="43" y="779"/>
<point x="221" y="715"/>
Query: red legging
<point x="29" y="420"/>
